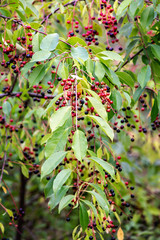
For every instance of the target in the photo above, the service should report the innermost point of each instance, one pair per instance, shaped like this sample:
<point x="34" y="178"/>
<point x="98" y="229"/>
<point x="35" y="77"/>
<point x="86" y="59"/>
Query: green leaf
<point x="10" y="213"/>
<point x="6" y="108"/>
<point x="115" y="6"/>
<point x="57" y="141"/>
<point x="25" y="170"/>
<point x="30" y="10"/>
<point x="27" y="67"/>
<point x="5" y="12"/>
<point x="95" y="95"/>
<point x="2" y="227"/>
<point x="49" y="43"/>
<point x="60" y="179"/>
<point x="89" y="65"/>
<point x="132" y="74"/>
<point x="117" y="177"/>
<point x="122" y="8"/>
<point x="126" y="30"/>
<point x="112" y="76"/>
<point x="37" y="38"/>
<point x="101" y="201"/>
<point x="63" y="71"/>
<point x="154" y="111"/>
<point x="105" y="165"/>
<point x="41" y="56"/>
<point x="59" y="117"/>
<point x="79" y="145"/>
<point x="91" y="153"/>
<point x="117" y="99"/>
<point x="98" y="28"/>
<point x="64" y="202"/>
<point x="16" y="34"/>
<point x="50" y="105"/>
<point x="99" y="152"/>
<point x="129" y="48"/>
<point x="156" y="51"/>
<point x="144" y="76"/>
<point x="79" y="53"/>
<point x="158" y="100"/>
<point x="52" y="162"/>
<point x="76" y="233"/>
<point x="62" y="45"/>
<point x="135" y="7"/>
<point x="48" y="190"/>
<point x="23" y="3"/>
<point x="112" y="55"/>
<point x="137" y="93"/>
<point x="99" y="107"/>
<point x="98" y="189"/>
<point x="126" y="78"/>
<point x="99" y="70"/>
<point x="104" y="126"/>
<point x="21" y="15"/>
<point x="36" y="75"/>
<point x="89" y="204"/>
<point x="9" y="35"/>
<point x="147" y="16"/>
<point x="83" y="215"/>
<point x="101" y="236"/>
<point x="75" y="40"/>
<point x="56" y="198"/>
<point x="128" y="98"/>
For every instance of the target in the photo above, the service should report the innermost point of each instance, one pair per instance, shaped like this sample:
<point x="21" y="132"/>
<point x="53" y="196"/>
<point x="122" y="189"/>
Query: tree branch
<point x="65" y="5"/>
<point x="14" y="83"/>
<point x="126" y="62"/>
<point x="14" y="94"/>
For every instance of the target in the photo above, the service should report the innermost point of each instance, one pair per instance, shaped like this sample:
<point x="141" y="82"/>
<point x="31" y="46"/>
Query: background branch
<point x="56" y="10"/>
<point x="130" y="59"/>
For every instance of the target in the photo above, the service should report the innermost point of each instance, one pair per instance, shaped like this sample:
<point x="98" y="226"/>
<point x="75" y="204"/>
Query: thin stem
<point x="4" y="161"/>
<point x="14" y="83"/>
<point x="57" y="9"/>
<point x="11" y="196"/>
<point x="126" y="62"/>
<point x="76" y="102"/>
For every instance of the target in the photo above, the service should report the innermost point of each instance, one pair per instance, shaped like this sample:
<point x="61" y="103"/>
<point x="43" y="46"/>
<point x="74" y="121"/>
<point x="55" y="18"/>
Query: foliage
<point x="79" y="118"/>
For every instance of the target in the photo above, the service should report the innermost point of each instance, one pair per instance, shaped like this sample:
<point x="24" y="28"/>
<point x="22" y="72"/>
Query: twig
<point x="76" y="99"/>
<point x="35" y="30"/>
<point x="2" y="170"/>
<point x="65" y="5"/>
<point x="14" y="94"/>
<point x="4" y="161"/>
<point x="14" y="83"/>
<point x="126" y="62"/>
<point x="111" y="82"/>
